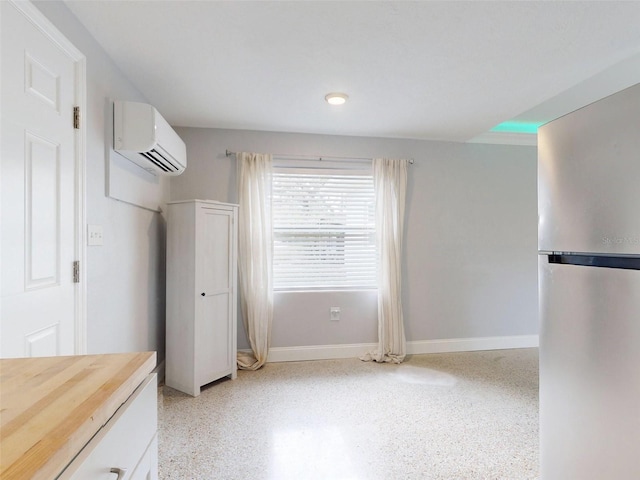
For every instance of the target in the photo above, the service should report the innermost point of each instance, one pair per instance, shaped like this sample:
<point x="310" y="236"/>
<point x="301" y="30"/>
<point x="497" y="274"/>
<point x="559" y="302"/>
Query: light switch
<point x="94" y="235"/>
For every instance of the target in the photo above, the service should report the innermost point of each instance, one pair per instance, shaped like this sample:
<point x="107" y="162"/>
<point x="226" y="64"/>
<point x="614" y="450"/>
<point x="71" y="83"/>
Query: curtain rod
<point x="228" y="153"/>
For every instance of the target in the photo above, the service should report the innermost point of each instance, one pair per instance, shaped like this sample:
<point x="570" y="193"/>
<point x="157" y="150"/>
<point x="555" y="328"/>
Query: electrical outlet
<point x="335" y="313"/>
<point x="94" y="234"/>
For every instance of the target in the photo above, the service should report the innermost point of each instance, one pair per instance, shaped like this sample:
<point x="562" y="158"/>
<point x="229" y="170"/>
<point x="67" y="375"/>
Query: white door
<point x="39" y="189"/>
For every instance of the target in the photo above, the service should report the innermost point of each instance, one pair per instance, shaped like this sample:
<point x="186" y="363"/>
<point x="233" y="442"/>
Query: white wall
<point x="470" y="244"/>
<point x="125" y="277"/>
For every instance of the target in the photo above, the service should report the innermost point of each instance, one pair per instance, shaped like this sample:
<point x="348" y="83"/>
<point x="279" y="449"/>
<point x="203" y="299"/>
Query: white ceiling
<point x="437" y="70"/>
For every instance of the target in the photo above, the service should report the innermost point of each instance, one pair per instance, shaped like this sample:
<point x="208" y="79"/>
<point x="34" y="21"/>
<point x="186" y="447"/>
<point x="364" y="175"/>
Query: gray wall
<point x="470" y="264"/>
<point x="125" y="277"/>
<point x="470" y="244"/>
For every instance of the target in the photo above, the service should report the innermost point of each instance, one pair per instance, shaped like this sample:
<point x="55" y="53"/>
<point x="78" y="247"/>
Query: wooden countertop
<point x="51" y="407"/>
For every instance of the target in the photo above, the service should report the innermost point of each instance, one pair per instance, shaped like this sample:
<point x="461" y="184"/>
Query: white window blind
<point x="323" y="230"/>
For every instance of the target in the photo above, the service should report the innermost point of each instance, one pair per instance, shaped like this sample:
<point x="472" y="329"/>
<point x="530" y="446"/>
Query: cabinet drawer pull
<point x="121" y="472"/>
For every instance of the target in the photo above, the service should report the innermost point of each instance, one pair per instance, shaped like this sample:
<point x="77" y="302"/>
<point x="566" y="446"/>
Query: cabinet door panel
<point x="215" y="251"/>
<point x="213" y="339"/>
<point x="147" y="469"/>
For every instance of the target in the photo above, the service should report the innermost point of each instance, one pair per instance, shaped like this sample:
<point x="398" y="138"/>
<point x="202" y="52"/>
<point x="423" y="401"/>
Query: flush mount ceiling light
<point x="336" y="98"/>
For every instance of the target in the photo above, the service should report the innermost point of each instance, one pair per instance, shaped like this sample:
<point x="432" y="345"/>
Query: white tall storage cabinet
<point x="201" y="293"/>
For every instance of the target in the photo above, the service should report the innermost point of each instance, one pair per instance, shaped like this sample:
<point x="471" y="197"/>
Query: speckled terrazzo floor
<point x="471" y="415"/>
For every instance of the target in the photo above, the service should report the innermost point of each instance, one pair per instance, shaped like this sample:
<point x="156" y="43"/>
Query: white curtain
<point x="255" y="255"/>
<point x="390" y="184"/>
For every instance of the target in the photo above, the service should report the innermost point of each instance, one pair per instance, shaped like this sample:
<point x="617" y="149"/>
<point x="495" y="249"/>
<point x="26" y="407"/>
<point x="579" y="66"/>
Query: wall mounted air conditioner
<point x="144" y="137"/>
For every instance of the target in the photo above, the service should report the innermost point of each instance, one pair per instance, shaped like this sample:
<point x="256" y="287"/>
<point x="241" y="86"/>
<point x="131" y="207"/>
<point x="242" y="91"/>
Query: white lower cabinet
<point x="201" y="293"/>
<point x="126" y="447"/>
<point x="147" y="469"/>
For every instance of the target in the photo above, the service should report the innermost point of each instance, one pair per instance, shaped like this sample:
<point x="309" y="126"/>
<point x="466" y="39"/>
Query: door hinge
<point x="76" y="118"/>
<point x="76" y="271"/>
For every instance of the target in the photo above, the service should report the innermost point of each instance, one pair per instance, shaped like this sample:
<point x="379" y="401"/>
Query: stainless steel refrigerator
<point x="589" y="280"/>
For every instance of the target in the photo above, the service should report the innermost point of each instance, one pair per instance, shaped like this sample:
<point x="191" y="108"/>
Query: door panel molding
<point x="41" y="82"/>
<point x="42" y="202"/>
<point x="44" y="342"/>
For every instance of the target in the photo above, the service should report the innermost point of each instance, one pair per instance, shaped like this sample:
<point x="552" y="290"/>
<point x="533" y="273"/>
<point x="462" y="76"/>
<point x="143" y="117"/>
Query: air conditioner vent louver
<point x="144" y="137"/>
<point x="160" y="161"/>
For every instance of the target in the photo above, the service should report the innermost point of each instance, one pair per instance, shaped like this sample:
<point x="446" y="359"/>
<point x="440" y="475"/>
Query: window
<point x="323" y="229"/>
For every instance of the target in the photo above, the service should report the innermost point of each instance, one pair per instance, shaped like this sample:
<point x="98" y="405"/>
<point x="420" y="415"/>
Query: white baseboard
<point x="472" y="344"/>
<point x="327" y="352"/>
<point x="319" y="352"/>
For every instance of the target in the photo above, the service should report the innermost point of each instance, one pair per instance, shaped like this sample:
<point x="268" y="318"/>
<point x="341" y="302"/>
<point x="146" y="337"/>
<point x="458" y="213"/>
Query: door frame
<point x="42" y="23"/>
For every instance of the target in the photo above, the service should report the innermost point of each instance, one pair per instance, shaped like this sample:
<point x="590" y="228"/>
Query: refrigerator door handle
<point x="627" y="263"/>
